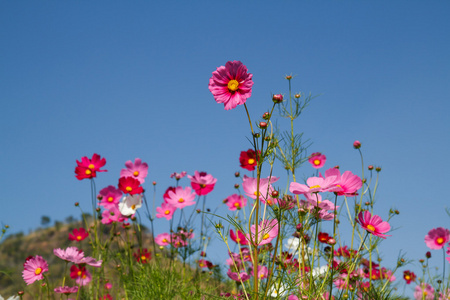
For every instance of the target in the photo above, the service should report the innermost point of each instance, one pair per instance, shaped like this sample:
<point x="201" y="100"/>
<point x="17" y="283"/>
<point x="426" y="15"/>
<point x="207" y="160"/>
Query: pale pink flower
<point x="33" y="269"/>
<point x="373" y="224"/>
<point x="236" y="202"/>
<point x="314" y="185"/>
<point x="165" y="211"/>
<point x="242" y="276"/>
<point x="181" y="197"/>
<point x="231" y="84"/>
<point x="424" y="292"/>
<point x="437" y="238"/>
<point x="267" y="231"/>
<point x="348" y="183"/>
<point x="249" y="185"/>
<point x="67" y="290"/>
<point x="112" y="215"/>
<point x="138" y="170"/>
<point x="71" y="254"/>
<point x="163" y="239"/>
<point x="202" y="183"/>
<point x="110" y="196"/>
<point x="178" y="176"/>
<point x="262" y="272"/>
<point x="317" y="160"/>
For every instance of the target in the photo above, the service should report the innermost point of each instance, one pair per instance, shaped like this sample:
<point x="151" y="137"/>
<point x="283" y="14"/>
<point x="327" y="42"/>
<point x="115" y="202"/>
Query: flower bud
<point x="20" y="293"/>
<point x="288" y="77"/>
<point x="278" y="98"/>
<point x="378" y="169"/>
<point x="256" y="135"/>
<point x="336" y="167"/>
<point x="236" y="186"/>
<point x="198" y="211"/>
<point x="237" y="174"/>
<point x="203" y="254"/>
<point x="331" y="241"/>
<point x="297" y="96"/>
<point x="396" y="212"/>
<point x="428" y="254"/>
<point x="421" y="260"/>
<point x="267" y="138"/>
<point x="367" y="203"/>
<point x="154" y="182"/>
<point x="77" y="203"/>
<point x="275" y="194"/>
<point x="263" y="125"/>
<point x="299" y="226"/>
<point x="266" y="116"/>
<point x="356" y="144"/>
<point x="6" y="226"/>
<point x="97" y="209"/>
<point x="370" y="167"/>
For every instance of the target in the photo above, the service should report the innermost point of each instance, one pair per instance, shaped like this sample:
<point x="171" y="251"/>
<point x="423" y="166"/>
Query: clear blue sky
<point x="129" y="79"/>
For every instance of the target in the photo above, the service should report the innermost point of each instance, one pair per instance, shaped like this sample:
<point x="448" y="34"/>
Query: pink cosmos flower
<point x="373" y="224"/>
<point x="66" y="290"/>
<point x="181" y="198"/>
<point x="33" y="269"/>
<point x="267" y="231"/>
<point x="203" y="263"/>
<point x="78" y="234"/>
<point x="424" y="292"/>
<point x="110" y="196"/>
<point x="242" y="276"/>
<point x="231" y="84"/>
<point x="71" y="254"/>
<point x="130" y="185"/>
<point x="87" y="168"/>
<point x="80" y="274"/>
<point x="236" y="202"/>
<point x="293" y="297"/>
<point x="445" y="295"/>
<point x="112" y="215"/>
<point x="163" y="239"/>
<point x="437" y="238"/>
<point x="202" y="183"/>
<point x="178" y="176"/>
<point x="165" y="211"/>
<point x="314" y="185"/>
<point x="166" y="193"/>
<point x="348" y="183"/>
<point x="317" y="160"/>
<point x="239" y="237"/>
<point x="138" y="170"/>
<point x="249" y="185"/>
<point x="262" y="272"/>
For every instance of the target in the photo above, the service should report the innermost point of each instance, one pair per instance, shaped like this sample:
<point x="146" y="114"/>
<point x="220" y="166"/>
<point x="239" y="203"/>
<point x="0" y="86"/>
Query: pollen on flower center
<point x="266" y="236"/>
<point x="167" y="212"/>
<point x="181" y="200"/>
<point x="165" y="240"/>
<point x="133" y="207"/>
<point x="79" y="273"/>
<point x="79" y="237"/>
<point x="314" y="187"/>
<point x="233" y="85"/>
<point x="143" y="257"/>
<point x="407" y="277"/>
<point x="136" y="173"/>
<point x="370" y="227"/>
<point x="316" y="162"/>
<point x="237" y="204"/>
<point x="202" y="185"/>
<point x="238" y="240"/>
<point x="88" y="172"/>
<point x="251" y="161"/>
<point x="110" y="199"/>
<point x="128" y="188"/>
<point x="38" y="271"/>
<point x="440" y="240"/>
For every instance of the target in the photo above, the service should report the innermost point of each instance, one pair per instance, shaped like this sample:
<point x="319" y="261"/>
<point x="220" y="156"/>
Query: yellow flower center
<point x="167" y="212"/>
<point x="136" y="173"/>
<point x="143" y="257"/>
<point x="370" y="227"/>
<point x="79" y="237"/>
<point x="316" y="162"/>
<point x="202" y="185"/>
<point x="269" y="202"/>
<point x="237" y="205"/>
<point x="79" y="273"/>
<point x="181" y="200"/>
<point x="314" y="187"/>
<point x="84" y="276"/>
<point x="38" y="271"/>
<point x="440" y="240"/>
<point x="251" y="161"/>
<point x="133" y="207"/>
<point x="110" y="199"/>
<point x="266" y="236"/>
<point x="233" y="85"/>
<point x="165" y="240"/>
<point x="407" y="277"/>
<point x="128" y="188"/>
<point x="88" y="172"/>
<point x="255" y="193"/>
<point x="238" y="240"/>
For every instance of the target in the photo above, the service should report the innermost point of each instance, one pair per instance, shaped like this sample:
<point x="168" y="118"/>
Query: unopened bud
<point x="277" y="98"/>
<point x="256" y="135"/>
<point x="263" y="125"/>
<point x="97" y="209"/>
<point x="288" y="77"/>
<point x="236" y="186"/>
<point x="299" y="226"/>
<point x="267" y="138"/>
<point x="370" y="167"/>
<point x="356" y="144"/>
<point x="421" y="260"/>
<point x="266" y="116"/>
<point x="6" y="226"/>
<point x="378" y="169"/>
<point x="331" y="241"/>
<point x="237" y="174"/>
<point x="76" y="203"/>
<point x="154" y="182"/>
<point x="275" y="194"/>
<point x="20" y="293"/>
<point x="198" y="211"/>
<point x="397" y="212"/>
<point x="428" y="254"/>
<point x="297" y="96"/>
<point x="367" y="203"/>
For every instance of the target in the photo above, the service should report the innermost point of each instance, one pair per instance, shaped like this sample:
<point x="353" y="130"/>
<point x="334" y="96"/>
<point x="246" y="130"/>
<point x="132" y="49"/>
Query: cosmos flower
<point x="130" y="185"/>
<point x="109" y="196"/>
<point x="78" y="234"/>
<point x="409" y="276"/>
<point x="130" y="204"/>
<point x="348" y="183"/>
<point x="231" y="84"/>
<point x="178" y="176"/>
<point x="236" y="202"/>
<point x="87" y="168"/>
<point x="317" y="160"/>
<point x="80" y="274"/>
<point x="437" y="238"/>
<point x="181" y="197"/>
<point x="165" y="211"/>
<point x="66" y="290"/>
<point x="314" y="185"/>
<point x="248" y="159"/>
<point x="202" y="183"/>
<point x="241" y="276"/>
<point x="71" y="254"/>
<point x="373" y="224"/>
<point x="33" y="269"/>
<point x="138" y="170"/>
<point x="239" y="237"/>
<point x="249" y="185"/>
<point x="143" y="256"/>
<point x="424" y="292"/>
<point x="163" y="239"/>
<point x="267" y="231"/>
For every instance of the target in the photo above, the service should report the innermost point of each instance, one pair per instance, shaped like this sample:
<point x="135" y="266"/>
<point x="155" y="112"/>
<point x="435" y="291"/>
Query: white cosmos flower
<point x="317" y="271"/>
<point x="293" y="246"/>
<point x="277" y="290"/>
<point x="10" y="298"/>
<point x="130" y="204"/>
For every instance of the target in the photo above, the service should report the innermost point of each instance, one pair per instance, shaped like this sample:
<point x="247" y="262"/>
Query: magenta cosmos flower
<point x="238" y="238"/>
<point x="424" y="291"/>
<point x="317" y="160"/>
<point x="202" y="183"/>
<point x="348" y="183"/>
<point x="267" y="231"/>
<point x="138" y="170"/>
<point x="130" y="185"/>
<point x="34" y="268"/>
<point x="66" y="290"/>
<point x="231" y="84"/>
<point x="248" y="159"/>
<point x="109" y="196"/>
<point x="314" y="185"/>
<point x="87" y="168"/>
<point x="373" y="224"/>
<point x="249" y="185"/>
<point x="437" y="238"/>
<point x="181" y="197"/>
<point x="78" y="234"/>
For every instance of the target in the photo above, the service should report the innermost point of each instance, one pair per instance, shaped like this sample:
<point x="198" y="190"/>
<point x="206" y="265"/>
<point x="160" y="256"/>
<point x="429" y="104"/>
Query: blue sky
<point x="129" y="80"/>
